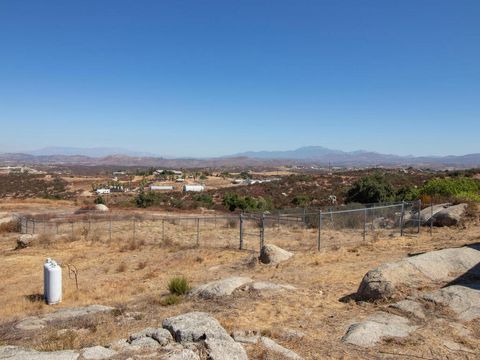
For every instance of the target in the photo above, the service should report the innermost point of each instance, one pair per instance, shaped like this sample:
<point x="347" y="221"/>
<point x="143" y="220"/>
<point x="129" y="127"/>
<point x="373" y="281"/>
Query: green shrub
<point x="370" y="189"/>
<point x="246" y="203"/>
<point x="301" y="200"/>
<point x="99" y="200"/>
<point x="178" y="285"/>
<point x="205" y="199"/>
<point x="451" y="187"/>
<point x="146" y="199"/>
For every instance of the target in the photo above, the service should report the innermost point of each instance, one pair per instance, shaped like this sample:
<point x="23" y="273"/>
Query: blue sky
<point x="207" y="78"/>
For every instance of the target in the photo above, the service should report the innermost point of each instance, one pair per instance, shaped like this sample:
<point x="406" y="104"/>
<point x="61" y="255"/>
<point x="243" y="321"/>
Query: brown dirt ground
<point x="134" y="277"/>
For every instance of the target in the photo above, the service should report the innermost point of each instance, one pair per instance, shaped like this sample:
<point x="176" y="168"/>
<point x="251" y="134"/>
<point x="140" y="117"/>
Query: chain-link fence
<point x="293" y="229"/>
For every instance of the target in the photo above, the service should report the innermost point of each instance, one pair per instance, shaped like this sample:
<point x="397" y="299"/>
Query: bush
<point x="370" y="189"/>
<point x="147" y="199"/>
<point x="99" y="200"/>
<point x="246" y="203"/>
<point x="178" y="285"/>
<point x="205" y="199"/>
<point x="451" y="187"/>
<point x="301" y="200"/>
<point x="171" y="299"/>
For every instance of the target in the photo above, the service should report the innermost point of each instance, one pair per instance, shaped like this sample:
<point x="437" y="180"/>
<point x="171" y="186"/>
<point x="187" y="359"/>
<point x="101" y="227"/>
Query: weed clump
<point x="178" y="285"/>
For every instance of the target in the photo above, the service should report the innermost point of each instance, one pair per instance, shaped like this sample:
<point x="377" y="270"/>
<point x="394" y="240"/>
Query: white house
<point x="103" y="191"/>
<point x="193" y="188"/>
<point x="161" y="187"/>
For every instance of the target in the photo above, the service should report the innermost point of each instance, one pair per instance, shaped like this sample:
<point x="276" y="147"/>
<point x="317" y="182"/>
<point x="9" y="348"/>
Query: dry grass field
<point x="133" y="276"/>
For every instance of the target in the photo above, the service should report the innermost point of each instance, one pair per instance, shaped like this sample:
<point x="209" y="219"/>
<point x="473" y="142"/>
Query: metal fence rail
<point x="299" y="229"/>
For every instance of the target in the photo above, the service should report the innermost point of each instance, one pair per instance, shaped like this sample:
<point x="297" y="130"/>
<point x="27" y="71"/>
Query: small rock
<point x="410" y="307"/>
<point x="162" y="336"/>
<point x="26" y="240"/>
<point x="142" y="333"/>
<point x="64" y="314"/>
<point x="20" y="353"/>
<point x="380" y="325"/>
<point x="145" y="343"/>
<point x="454" y="346"/>
<point x="464" y="301"/>
<point x="220" y="288"/>
<point x="272" y="254"/>
<point x="194" y="326"/>
<point x="265" y="286"/>
<point x="246" y="337"/>
<point x="220" y="349"/>
<point x="97" y="353"/>
<point x="272" y="346"/>
<point x="185" y="354"/>
<point x="292" y="334"/>
<point x="101" y="207"/>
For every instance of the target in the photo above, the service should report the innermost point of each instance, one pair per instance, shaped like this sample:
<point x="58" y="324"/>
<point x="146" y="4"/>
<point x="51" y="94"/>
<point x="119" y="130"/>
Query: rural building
<point x="103" y="191"/>
<point x="193" y="188"/>
<point x="161" y="187"/>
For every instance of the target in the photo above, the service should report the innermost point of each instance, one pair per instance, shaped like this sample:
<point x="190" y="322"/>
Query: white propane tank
<point x="52" y="282"/>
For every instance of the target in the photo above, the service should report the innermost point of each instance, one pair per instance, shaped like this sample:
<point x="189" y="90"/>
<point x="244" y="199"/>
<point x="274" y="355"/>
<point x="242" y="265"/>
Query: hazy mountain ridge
<point x="308" y="155"/>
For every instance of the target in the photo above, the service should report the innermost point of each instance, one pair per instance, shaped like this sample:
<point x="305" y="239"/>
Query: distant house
<point x="102" y="191"/>
<point x="161" y="187"/>
<point x="193" y="188"/>
<point x="179" y="179"/>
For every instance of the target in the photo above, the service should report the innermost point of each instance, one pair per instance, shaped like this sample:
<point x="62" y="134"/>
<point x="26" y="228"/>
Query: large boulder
<point x="272" y="254"/>
<point x="65" y="314"/>
<point x="194" y="326"/>
<point x="464" y="301"/>
<point x="20" y="353"/>
<point x="430" y="211"/>
<point x="97" y="353"/>
<point x="219" y="288"/>
<point x="389" y="279"/>
<point x="272" y="346"/>
<point x="185" y="354"/>
<point x="380" y="325"/>
<point x="200" y="326"/>
<point x="101" y="207"/>
<point x="26" y="240"/>
<point x="449" y="216"/>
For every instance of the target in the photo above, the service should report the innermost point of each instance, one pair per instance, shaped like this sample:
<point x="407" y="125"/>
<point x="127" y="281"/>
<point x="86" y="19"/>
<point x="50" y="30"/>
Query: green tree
<point x="370" y="189"/>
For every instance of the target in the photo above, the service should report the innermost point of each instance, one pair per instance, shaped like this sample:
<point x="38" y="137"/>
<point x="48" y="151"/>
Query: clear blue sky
<point x="208" y="78"/>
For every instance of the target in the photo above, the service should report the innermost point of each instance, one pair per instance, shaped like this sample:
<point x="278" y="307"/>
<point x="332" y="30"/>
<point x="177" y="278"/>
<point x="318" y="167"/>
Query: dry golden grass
<point x="133" y="276"/>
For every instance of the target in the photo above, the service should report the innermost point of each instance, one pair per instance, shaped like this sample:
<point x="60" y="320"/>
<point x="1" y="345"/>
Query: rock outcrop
<point x="376" y="327"/>
<point x="272" y="254"/>
<point x="389" y="279"/>
<point x="219" y="288"/>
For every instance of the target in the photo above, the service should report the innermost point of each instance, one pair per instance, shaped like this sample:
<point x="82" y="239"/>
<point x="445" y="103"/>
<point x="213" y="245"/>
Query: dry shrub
<point x="122" y="267"/>
<point x="142" y="265"/>
<point x="10" y="227"/>
<point x="45" y="240"/>
<point x="171" y="299"/>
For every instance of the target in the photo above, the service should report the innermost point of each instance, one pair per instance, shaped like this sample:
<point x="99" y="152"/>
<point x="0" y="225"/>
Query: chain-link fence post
<point x="163" y="230"/>
<point x="401" y="218"/>
<point x="198" y="231"/>
<point x="262" y="231"/>
<point x="431" y="217"/>
<point x="241" y="232"/>
<point x="419" y="218"/>
<point x="133" y="228"/>
<point x="365" y="224"/>
<point x="319" y="229"/>
<point x="110" y="227"/>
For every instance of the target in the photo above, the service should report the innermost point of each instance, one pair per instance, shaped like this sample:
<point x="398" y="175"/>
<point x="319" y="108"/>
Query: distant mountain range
<point x="309" y="155"/>
<point x="90" y="152"/>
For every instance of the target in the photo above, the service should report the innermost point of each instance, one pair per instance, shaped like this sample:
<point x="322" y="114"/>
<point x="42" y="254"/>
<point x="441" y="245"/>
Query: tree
<point x="370" y="189"/>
